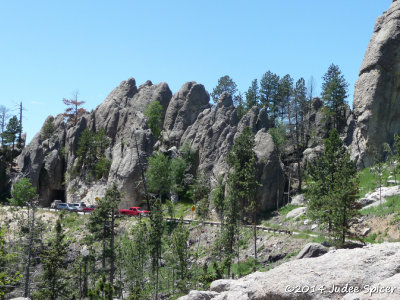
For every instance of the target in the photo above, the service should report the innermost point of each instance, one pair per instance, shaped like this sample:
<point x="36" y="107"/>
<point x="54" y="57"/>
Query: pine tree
<point x="135" y="253"/>
<point x="300" y="105"/>
<point x="242" y="189"/>
<point x="8" y="277"/>
<point x="252" y="95"/>
<point x="225" y="84"/>
<point x="181" y="252"/>
<point x="102" y="226"/>
<point x="12" y="129"/>
<point x="23" y="192"/>
<point x="334" y="94"/>
<point x="154" y="113"/>
<point x="269" y="88"/>
<point x="218" y="197"/>
<point x="334" y="188"/>
<point x="285" y="92"/>
<point x="155" y="240"/>
<point x="158" y="174"/>
<point x="54" y="281"/>
<point x="199" y="194"/>
<point x="48" y="129"/>
<point x="4" y="115"/>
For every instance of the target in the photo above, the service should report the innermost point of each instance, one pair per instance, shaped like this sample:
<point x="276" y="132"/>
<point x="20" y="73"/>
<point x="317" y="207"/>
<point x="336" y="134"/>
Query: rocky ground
<point x="371" y="272"/>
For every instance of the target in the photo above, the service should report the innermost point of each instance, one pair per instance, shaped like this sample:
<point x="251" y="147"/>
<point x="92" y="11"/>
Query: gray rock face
<point x="122" y="116"/>
<point x="297" y="212"/>
<point x="183" y="110"/>
<point x="188" y="118"/>
<point x="345" y="269"/>
<point x="270" y="172"/>
<point x="212" y="135"/>
<point x="376" y="93"/>
<point x="312" y="250"/>
<point x="41" y="161"/>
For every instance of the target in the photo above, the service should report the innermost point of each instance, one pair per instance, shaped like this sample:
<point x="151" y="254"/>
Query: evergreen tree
<point x="158" y="174"/>
<point x="180" y="251"/>
<point x="135" y="253"/>
<point x="242" y="160"/>
<point x="269" y="88"/>
<point x="91" y="153"/>
<point x="102" y="226"/>
<point x="54" y="281"/>
<point x="155" y="241"/>
<point x="86" y="153"/>
<point x="300" y="105"/>
<point x="240" y="105"/>
<point x="285" y="91"/>
<point x="334" y="94"/>
<point x="154" y="113"/>
<point x="225" y="84"/>
<point x="47" y="129"/>
<point x="242" y="188"/>
<point x="8" y="277"/>
<point x="218" y="197"/>
<point x="199" y="194"/>
<point x="252" y="95"/>
<point x="12" y="129"/>
<point x="23" y="193"/>
<point x="334" y="188"/>
<point x="3" y="121"/>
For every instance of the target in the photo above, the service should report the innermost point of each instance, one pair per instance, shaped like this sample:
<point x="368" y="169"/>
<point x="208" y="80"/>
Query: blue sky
<point x="51" y="48"/>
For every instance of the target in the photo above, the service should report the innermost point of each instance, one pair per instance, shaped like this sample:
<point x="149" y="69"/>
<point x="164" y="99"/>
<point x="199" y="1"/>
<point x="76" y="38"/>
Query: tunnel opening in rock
<point x="57" y="195"/>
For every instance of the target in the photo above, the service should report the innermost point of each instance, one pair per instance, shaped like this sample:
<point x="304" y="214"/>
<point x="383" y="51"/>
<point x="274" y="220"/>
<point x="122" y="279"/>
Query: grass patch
<point x="181" y="209"/>
<point x="392" y="205"/>
<point x="72" y="221"/>
<point x="292" y="254"/>
<point x="286" y="209"/>
<point x="369" y="181"/>
<point x="243" y="268"/>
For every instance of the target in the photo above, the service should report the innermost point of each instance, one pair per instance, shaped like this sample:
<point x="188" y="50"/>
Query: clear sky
<point x="51" y="48"/>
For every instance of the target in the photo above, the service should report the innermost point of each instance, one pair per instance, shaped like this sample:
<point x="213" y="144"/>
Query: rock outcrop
<point x="312" y="250"/>
<point x="376" y="93"/>
<point x="338" y="274"/>
<point x="187" y="118"/>
<point x="183" y="110"/>
<point x="122" y="116"/>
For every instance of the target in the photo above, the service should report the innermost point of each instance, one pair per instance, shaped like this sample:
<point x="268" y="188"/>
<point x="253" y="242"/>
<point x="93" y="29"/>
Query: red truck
<point x="134" y="211"/>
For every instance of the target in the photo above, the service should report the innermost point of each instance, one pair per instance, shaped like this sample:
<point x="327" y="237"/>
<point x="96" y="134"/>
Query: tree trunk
<point x="112" y="252"/>
<point x="255" y="243"/>
<point x="30" y="245"/>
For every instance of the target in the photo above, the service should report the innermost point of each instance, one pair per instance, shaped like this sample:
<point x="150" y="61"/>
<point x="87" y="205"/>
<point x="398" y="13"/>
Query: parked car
<point x="62" y="206"/>
<point x="89" y="208"/>
<point x="134" y="211"/>
<point x="55" y="203"/>
<point x="79" y="206"/>
<point x="72" y="207"/>
<point x="67" y="206"/>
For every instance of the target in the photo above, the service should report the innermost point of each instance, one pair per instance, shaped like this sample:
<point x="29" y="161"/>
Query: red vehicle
<point x="89" y="208"/>
<point x="134" y="211"/>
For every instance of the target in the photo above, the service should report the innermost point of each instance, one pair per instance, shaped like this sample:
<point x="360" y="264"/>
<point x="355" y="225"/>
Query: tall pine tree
<point x="334" y="94"/>
<point x="334" y="188"/>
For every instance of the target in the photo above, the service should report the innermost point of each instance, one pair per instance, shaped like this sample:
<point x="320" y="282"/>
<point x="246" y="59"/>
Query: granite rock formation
<point x="376" y="93"/>
<point x="188" y="118"/>
<point x="354" y="273"/>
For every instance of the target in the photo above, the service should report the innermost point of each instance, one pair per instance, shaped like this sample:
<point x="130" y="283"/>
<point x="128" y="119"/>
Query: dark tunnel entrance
<point x="57" y="195"/>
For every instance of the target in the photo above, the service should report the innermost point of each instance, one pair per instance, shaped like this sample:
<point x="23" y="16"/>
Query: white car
<point x="79" y="206"/>
<point x="55" y="203"/>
